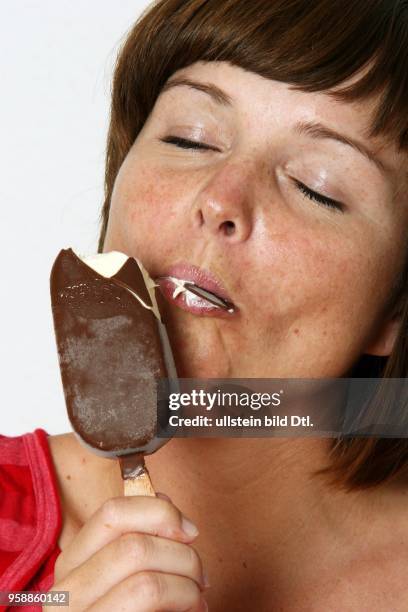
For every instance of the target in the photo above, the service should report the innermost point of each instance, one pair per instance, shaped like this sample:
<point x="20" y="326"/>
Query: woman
<point x="265" y="143"/>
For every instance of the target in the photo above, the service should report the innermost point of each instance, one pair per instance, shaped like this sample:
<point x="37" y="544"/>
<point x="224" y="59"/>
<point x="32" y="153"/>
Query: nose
<point x="224" y="205"/>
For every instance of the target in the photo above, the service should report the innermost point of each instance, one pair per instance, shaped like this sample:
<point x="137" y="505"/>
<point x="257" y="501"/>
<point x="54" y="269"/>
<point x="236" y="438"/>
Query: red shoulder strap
<point x="30" y="513"/>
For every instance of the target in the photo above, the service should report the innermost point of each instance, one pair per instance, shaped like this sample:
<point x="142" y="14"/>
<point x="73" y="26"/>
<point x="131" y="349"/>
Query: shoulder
<point x="85" y="481"/>
<point x="70" y="463"/>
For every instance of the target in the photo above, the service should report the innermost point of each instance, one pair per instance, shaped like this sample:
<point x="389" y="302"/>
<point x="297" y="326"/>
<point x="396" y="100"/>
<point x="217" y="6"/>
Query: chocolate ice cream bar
<point x="112" y="349"/>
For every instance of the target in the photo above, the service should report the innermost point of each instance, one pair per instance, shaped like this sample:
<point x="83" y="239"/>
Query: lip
<point x="201" y="277"/>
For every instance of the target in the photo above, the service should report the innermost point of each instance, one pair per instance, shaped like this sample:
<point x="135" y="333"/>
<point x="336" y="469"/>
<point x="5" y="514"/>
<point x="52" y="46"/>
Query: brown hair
<point x="314" y="45"/>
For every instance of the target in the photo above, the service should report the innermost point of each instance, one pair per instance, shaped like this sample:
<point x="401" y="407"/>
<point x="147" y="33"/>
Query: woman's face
<point x="227" y="182"/>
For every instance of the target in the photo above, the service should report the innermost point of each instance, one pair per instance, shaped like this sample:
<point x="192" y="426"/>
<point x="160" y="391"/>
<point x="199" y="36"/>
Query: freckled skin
<point x="309" y="282"/>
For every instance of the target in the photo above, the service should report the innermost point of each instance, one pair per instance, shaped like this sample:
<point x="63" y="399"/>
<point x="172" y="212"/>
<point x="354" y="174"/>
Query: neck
<point x="269" y="481"/>
<point x="241" y="467"/>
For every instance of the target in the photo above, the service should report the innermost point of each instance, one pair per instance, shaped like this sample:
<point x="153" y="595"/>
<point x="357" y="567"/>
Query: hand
<point x="134" y="554"/>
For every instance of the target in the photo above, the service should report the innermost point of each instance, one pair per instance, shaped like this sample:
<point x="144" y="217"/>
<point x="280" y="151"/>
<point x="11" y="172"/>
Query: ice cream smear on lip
<point x="197" y="296"/>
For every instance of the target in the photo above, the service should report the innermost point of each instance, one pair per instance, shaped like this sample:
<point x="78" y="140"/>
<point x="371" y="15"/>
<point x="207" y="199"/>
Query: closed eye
<point x="318" y="197"/>
<point x="184" y="143"/>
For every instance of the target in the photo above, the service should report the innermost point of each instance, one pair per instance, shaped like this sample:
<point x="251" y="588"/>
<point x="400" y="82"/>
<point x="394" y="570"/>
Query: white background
<point x="56" y="63"/>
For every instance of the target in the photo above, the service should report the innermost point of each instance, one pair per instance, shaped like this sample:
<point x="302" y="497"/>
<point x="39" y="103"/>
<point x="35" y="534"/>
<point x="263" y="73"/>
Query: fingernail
<point x="163" y="496"/>
<point x="188" y="527"/>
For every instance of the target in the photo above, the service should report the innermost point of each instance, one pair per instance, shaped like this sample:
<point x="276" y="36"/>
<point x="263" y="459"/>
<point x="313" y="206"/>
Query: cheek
<point x="315" y="298"/>
<point x="146" y="199"/>
<point x="318" y="280"/>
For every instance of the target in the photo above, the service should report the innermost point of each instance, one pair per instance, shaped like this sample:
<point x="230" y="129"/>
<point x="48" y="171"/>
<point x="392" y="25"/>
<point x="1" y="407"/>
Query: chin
<point x="190" y="365"/>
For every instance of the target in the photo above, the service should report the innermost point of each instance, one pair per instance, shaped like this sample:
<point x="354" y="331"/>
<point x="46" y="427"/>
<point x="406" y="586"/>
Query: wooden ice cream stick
<point x="140" y="485"/>
<point x="136" y="479"/>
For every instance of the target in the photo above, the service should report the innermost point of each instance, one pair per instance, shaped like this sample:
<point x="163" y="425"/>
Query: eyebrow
<point x="218" y="95"/>
<point x="318" y="130"/>
<point x="310" y="128"/>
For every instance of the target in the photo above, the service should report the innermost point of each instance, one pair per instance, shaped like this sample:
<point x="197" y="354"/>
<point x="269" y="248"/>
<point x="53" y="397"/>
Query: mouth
<point x="195" y="290"/>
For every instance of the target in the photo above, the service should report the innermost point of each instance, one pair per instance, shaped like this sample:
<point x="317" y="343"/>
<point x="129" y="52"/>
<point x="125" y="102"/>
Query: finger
<point x="152" y="592"/>
<point x="131" y="554"/>
<point x="121" y="515"/>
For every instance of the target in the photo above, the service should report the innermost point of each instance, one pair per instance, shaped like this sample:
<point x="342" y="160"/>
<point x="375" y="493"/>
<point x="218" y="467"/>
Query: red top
<point x="30" y="515"/>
